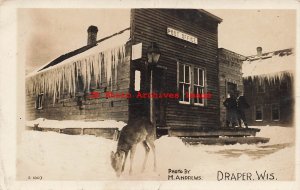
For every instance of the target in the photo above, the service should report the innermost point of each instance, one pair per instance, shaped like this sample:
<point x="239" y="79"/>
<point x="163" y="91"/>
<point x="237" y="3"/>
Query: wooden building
<point x="74" y="85"/>
<point x="269" y="87"/>
<point x="230" y="77"/>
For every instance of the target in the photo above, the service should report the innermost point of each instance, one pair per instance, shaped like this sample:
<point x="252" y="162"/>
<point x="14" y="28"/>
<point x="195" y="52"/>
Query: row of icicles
<point x="271" y="78"/>
<point x="64" y="77"/>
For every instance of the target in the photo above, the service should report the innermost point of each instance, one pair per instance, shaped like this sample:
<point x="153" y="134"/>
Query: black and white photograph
<point x="162" y="94"/>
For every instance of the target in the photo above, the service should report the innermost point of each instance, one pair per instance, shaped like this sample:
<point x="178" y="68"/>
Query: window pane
<point x="196" y="76"/>
<point x="181" y="90"/>
<point x="201" y="82"/>
<point x="186" y="90"/>
<point x="181" y="73"/>
<point x="187" y="74"/>
<point x="201" y="92"/>
<point x="196" y="92"/>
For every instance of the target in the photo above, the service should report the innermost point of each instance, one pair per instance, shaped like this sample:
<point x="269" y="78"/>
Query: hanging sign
<point x="136" y="51"/>
<point x="182" y="35"/>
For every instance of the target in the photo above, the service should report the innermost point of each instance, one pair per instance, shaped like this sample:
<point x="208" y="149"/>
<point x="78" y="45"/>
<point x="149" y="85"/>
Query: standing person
<point x="231" y="110"/>
<point x="241" y="106"/>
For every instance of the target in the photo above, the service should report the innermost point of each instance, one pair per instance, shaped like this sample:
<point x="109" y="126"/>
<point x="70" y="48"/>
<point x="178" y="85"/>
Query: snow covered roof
<point x="91" y="63"/>
<point x="270" y="64"/>
<point x="104" y="44"/>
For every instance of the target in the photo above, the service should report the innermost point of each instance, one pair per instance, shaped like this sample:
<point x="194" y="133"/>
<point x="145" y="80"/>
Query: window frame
<point x="190" y="82"/>
<point x="262" y="113"/>
<point x="198" y="85"/>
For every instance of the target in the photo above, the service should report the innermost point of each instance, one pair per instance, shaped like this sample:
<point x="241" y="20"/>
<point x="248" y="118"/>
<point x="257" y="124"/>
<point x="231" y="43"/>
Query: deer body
<point x="138" y="131"/>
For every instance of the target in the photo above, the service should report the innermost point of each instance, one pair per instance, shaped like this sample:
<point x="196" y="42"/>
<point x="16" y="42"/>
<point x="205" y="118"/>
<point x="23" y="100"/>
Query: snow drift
<point x="64" y="157"/>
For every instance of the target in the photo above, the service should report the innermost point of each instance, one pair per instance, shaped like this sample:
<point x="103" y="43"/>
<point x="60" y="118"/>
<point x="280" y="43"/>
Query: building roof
<point x="103" y="44"/>
<point x="216" y="18"/>
<point x="223" y="51"/>
<point x="270" y="64"/>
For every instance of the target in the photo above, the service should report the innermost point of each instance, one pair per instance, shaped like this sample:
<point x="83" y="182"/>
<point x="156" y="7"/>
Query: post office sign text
<point x="182" y="35"/>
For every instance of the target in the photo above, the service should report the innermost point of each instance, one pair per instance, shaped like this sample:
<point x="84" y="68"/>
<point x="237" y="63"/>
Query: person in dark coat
<point x="231" y="110"/>
<point x="242" y="105"/>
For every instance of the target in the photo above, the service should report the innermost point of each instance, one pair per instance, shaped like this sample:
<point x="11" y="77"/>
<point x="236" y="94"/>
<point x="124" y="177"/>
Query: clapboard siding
<point x="150" y="25"/>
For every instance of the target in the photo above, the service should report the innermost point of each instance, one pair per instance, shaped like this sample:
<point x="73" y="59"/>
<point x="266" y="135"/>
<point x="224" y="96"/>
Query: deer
<point x="137" y="131"/>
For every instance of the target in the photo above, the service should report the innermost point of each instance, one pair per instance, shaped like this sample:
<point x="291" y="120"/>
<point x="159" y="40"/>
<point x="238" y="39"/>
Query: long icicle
<point x="55" y="82"/>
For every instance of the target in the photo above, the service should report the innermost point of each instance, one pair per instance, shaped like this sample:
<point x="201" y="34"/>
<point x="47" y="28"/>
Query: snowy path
<point x="64" y="157"/>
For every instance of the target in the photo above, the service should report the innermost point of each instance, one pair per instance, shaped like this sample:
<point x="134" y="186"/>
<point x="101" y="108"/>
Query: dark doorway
<point x="231" y="88"/>
<point x="159" y="86"/>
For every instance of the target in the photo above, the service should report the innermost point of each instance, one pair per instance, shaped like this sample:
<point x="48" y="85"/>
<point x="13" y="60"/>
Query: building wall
<point x="230" y="71"/>
<point x="150" y="25"/>
<point x="93" y="108"/>
<point x="277" y="92"/>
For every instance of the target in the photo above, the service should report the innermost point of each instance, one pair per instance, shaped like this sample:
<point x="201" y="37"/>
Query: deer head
<point x="116" y="162"/>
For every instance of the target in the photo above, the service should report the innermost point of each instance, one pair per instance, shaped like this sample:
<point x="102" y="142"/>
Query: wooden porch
<point x="222" y="136"/>
<point x="191" y="136"/>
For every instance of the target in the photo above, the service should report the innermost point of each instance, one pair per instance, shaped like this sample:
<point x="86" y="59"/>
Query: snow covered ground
<point x="57" y="156"/>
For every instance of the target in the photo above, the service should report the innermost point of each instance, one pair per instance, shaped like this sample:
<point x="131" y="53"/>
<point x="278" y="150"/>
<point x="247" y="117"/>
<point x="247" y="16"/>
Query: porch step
<point x="212" y="132"/>
<point x="225" y="140"/>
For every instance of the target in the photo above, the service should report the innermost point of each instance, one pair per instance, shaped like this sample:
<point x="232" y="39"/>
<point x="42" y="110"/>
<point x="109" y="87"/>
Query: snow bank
<point x="277" y="134"/>
<point x="59" y="156"/>
<point x="65" y="157"/>
<point x="45" y="123"/>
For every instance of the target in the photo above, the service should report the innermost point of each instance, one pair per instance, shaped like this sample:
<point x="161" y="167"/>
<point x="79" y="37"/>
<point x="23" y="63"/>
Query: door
<point x="231" y="88"/>
<point x="159" y="86"/>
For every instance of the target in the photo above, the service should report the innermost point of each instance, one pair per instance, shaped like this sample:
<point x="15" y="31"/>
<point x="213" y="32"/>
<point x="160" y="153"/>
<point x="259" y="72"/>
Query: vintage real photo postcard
<point x="165" y="95"/>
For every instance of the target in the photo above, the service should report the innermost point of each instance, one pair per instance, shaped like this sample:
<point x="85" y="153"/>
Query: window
<point x="184" y="83"/>
<point x="39" y="101"/>
<point x="275" y="112"/>
<point x="191" y="85"/>
<point x="259" y="113"/>
<point x="198" y="86"/>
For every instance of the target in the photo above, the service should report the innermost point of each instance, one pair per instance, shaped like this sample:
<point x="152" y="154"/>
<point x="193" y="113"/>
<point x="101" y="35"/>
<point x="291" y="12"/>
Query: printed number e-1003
<point x="35" y="177"/>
